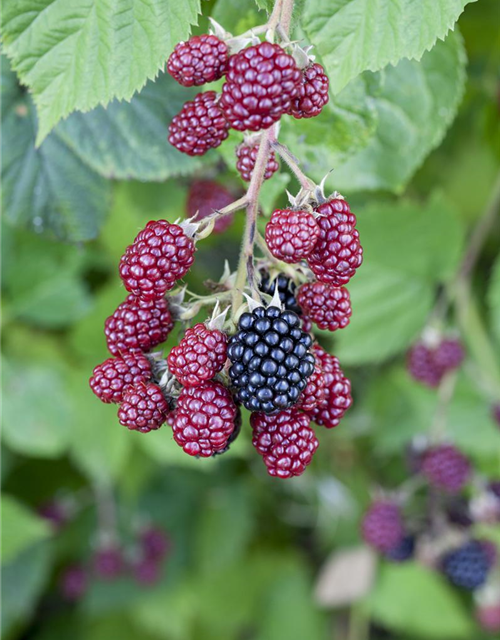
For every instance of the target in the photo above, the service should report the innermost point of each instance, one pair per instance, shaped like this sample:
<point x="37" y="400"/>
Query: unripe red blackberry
<point x="138" y="325"/>
<point x="199" y="126"/>
<point x="204" y="198"/>
<point x="315" y="392"/>
<point x="154" y="543"/>
<point x="337" y="253"/>
<point x="204" y="419"/>
<point x="110" y="379"/>
<point x="160" y="255"/>
<point x="74" y="582"/>
<point x="488" y="617"/>
<point x="328" y="307"/>
<point x="285" y="441"/>
<point x="291" y="235"/>
<point x="199" y="356"/>
<point x="449" y="354"/>
<point x="199" y="60"/>
<point x="261" y="82"/>
<point x="338" y="391"/>
<point x="446" y="468"/>
<point x="313" y="93"/>
<point x="246" y="154"/>
<point x="144" y="408"/>
<point x="382" y="526"/>
<point x="422" y="367"/>
<point x="147" y="571"/>
<point x="495" y="412"/>
<point x="108" y="563"/>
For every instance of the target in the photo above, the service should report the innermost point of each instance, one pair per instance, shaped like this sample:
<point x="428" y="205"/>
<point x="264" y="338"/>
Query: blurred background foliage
<point x="415" y="148"/>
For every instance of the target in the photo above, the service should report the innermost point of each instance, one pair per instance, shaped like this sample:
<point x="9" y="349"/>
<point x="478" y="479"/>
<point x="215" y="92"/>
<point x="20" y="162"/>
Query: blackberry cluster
<point x="270" y="359"/>
<point x="468" y="566"/>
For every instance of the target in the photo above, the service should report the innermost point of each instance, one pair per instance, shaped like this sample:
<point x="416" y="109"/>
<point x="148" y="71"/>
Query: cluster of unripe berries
<point x="270" y="364"/>
<point x="465" y="560"/>
<point x="262" y="83"/>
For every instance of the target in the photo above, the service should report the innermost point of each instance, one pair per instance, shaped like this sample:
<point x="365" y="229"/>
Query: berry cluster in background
<point x="253" y="348"/>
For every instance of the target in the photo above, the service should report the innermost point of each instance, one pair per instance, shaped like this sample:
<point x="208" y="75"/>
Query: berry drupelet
<point x="328" y="307"/>
<point x="382" y="526"/>
<point x="199" y="356"/>
<point x="291" y="235"/>
<point x="337" y="254"/>
<point x="261" y="82"/>
<point x="271" y="361"/>
<point x="246" y="154"/>
<point x="204" y="198"/>
<point x="160" y="255"/>
<point x="286" y="291"/>
<point x="138" y="325"/>
<point x="204" y="419"/>
<point x="337" y="398"/>
<point x="199" y="126"/>
<point x="446" y="468"/>
<point x="285" y="441"/>
<point x="313" y="93"/>
<point x="200" y="60"/>
<point x="468" y="566"/>
<point x="110" y="379"/>
<point x="144" y="408"/>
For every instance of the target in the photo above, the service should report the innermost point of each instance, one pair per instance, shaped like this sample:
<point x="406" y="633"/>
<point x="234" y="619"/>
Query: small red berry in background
<point x="382" y="526"/>
<point x="74" y="582"/>
<point x="206" y="197"/>
<point x="246" y="154"/>
<point x="446" y="468"/>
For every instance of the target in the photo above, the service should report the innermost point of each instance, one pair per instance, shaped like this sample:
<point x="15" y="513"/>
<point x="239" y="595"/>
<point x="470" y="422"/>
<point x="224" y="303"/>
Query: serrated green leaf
<point x="49" y="188"/>
<point x="20" y="528"/>
<point x="403" y="592"/>
<point x="76" y="54"/>
<point x="415" y="105"/>
<point x="130" y="139"/>
<point x="37" y="410"/>
<point x="353" y="36"/>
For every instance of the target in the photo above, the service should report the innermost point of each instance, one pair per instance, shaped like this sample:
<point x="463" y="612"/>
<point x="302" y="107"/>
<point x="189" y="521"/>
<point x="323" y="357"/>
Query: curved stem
<point x="292" y="162"/>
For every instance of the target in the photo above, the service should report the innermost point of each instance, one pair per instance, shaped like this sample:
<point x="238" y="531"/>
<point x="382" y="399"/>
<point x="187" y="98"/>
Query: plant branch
<point x="292" y="162"/>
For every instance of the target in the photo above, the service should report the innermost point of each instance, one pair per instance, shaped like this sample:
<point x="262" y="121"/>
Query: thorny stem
<point x="292" y="162"/>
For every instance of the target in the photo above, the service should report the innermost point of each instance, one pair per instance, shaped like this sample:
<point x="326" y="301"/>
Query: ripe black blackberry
<point x="467" y="566"/>
<point x="271" y="361"/>
<point x="286" y="291"/>
<point x="403" y="550"/>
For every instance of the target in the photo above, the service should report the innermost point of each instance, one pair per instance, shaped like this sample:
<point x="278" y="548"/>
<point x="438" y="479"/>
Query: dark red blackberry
<point x="403" y="550"/>
<point x="199" y="126"/>
<point x="449" y="354"/>
<point x="74" y="582"/>
<point x="154" y="543"/>
<point x="205" y="197"/>
<point x="313" y="93"/>
<point x="108" y="563"/>
<point x="55" y="512"/>
<point x="337" y="253"/>
<point x="199" y="60"/>
<point x="204" y="419"/>
<point x="246" y="154"/>
<point x="261" y="82"/>
<point x="160" y="255"/>
<point x="446" y="468"/>
<point x="286" y="291"/>
<point x="328" y="307"/>
<point x="200" y="355"/>
<point x="488" y="616"/>
<point x="495" y="412"/>
<point x="315" y="392"/>
<point x="271" y="361"/>
<point x="138" y="325"/>
<point x="144" y="408"/>
<point x="337" y="391"/>
<point x="285" y="441"/>
<point x="147" y="571"/>
<point x="468" y="566"/>
<point x="422" y="367"/>
<point x="111" y="378"/>
<point x="382" y="526"/>
<point x="291" y="235"/>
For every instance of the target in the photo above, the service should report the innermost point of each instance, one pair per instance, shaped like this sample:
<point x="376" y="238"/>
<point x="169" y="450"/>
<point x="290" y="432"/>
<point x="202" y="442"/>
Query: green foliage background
<point x="412" y="133"/>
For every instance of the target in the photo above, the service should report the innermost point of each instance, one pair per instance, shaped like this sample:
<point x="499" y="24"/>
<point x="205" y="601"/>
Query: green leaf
<point x="22" y="582"/>
<point x="416" y="104"/>
<point x="130" y="139"/>
<point x="353" y="36"/>
<point x="404" y="258"/>
<point x="494" y="300"/>
<point x="20" y="528"/>
<point x="76" y="54"/>
<point x="404" y="592"/>
<point x="50" y="188"/>
<point x="37" y="409"/>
